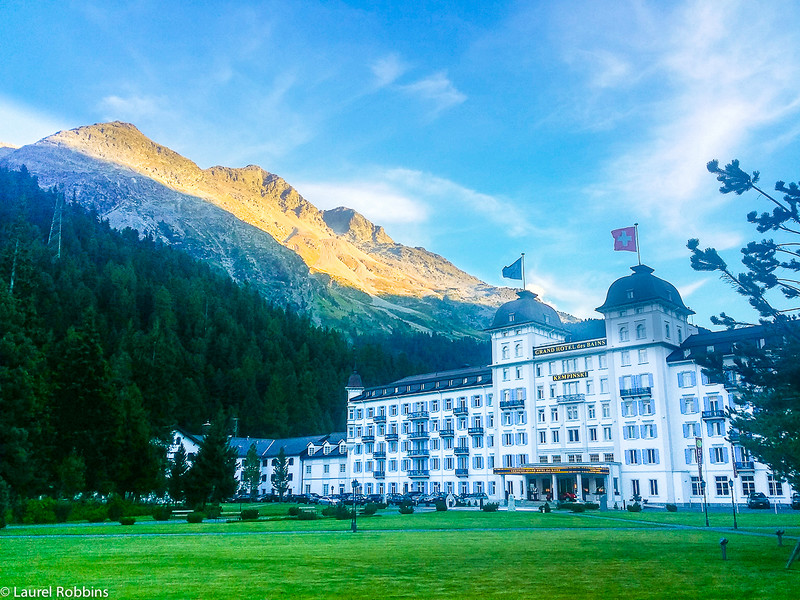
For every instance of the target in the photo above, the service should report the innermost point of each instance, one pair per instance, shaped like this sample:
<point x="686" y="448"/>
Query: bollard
<point x="780" y="533"/>
<point x="724" y="545"/>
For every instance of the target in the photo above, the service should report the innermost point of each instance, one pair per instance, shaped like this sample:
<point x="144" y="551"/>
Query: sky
<point x="478" y="130"/>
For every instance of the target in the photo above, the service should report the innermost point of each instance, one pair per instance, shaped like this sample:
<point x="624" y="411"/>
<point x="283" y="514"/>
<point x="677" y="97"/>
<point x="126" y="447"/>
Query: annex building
<point x="607" y="410"/>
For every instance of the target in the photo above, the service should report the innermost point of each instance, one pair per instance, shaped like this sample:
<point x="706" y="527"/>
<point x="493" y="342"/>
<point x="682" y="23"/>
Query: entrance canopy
<point x="554" y="469"/>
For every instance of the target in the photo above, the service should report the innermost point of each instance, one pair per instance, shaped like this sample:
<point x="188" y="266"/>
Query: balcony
<point x="637" y="391"/>
<point x="462" y="472"/>
<point x="418" y="453"/>
<point x="419" y="473"/>
<point x="418" y="415"/>
<point x="509" y="404"/>
<point x="736" y="436"/>
<point x="475" y="430"/>
<point x="367" y="438"/>
<point x="713" y="414"/>
<point x="571" y="398"/>
<point x="447" y="433"/>
<point x="391" y="437"/>
<point x="462" y="451"/>
<point x="379" y="474"/>
<point x="748" y="465"/>
<point x="379" y="454"/>
<point x="460" y="410"/>
<point x="379" y="418"/>
<point x="418" y="435"/>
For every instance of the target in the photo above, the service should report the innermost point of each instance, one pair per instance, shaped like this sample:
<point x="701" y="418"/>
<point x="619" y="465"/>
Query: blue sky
<point x="478" y="130"/>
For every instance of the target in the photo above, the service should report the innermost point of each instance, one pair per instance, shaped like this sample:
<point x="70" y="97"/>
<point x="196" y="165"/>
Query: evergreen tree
<point x="280" y="473"/>
<point x="212" y="477"/>
<point x="767" y="419"/>
<point x="251" y="471"/>
<point x="176" y="485"/>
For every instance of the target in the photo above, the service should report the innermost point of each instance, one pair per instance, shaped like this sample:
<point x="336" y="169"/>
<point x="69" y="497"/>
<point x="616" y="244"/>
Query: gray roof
<point x="526" y="309"/>
<point x="293" y="446"/>
<point x="589" y="329"/>
<point x="242" y="445"/>
<point x="439" y="381"/>
<point x="721" y="342"/>
<point x="642" y="286"/>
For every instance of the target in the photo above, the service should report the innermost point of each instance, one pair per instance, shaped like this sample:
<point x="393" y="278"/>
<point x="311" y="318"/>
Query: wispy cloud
<point x="388" y="69"/>
<point x="134" y="108"/>
<point x="438" y="90"/>
<point x="20" y="125"/>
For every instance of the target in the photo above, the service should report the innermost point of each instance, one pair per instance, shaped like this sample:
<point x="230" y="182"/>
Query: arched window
<point x="623" y="333"/>
<point x="518" y="350"/>
<point x="641" y="331"/>
<point x="505" y="352"/>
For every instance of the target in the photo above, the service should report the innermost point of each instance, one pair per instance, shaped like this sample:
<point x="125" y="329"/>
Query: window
<point x="490" y="441"/>
<point x="522" y="438"/>
<point x="623" y="333"/>
<point x="650" y="456"/>
<point x="590" y="412"/>
<point x="687" y="379"/>
<point x="689" y="405"/>
<point x="552" y="390"/>
<point x="477" y="462"/>
<point x="490" y="462"/>
<point x="574" y="458"/>
<point x="589" y="387"/>
<point x="641" y="331"/>
<point x="629" y="408"/>
<point x="604" y="386"/>
<point x="642" y="356"/>
<point x="588" y="363"/>
<point x="434" y="406"/>
<point x="608" y="457"/>
<point x="607" y="434"/>
<point x="540" y="392"/>
<point x="625" y="357"/>
<point x="721" y="483"/>
<point x="551" y="368"/>
<point x="573" y="435"/>
<point x="654" y="487"/>
<point x="556" y="458"/>
<point x="594" y="458"/>
<point x="635" y="487"/>
<point x="406" y="409"/>
<point x="538" y="370"/>
<point x="448" y="404"/>
<point x="606" y="411"/>
<point x="393" y="410"/>
<point x="554" y="436"/>
<point x="508" y="439"/>
<point x="543" y="459"/>
<point x="435" y="443"/>
<point x="748" y="484"/>
<point x="775" y="485"/>
<point x="592" y="434"/>
<point x="542" y="437"/>
<point x="630" y="432"/>
<point x="646" y="407"/>
<point x="541" y="417"/>
<point x="554" y="414"/>
<point x="569" y="365"/>
<point x="633" y="457"/>
<point x="476" y="402"/>
<point x="648" y="431"/>
<point x="518" y="372"/>
<point x="697" y="489"/>
<point x="308" y="469"/>
<point x="719" y="455"/>
<point x="505" y="374"/>
<point x="602" y="361"/>
<point x="505" y="352"/>
<point x="572" y="413"/>
<point x="342" y="467"/>
<point x="477" y="441"/>
<point x="666" y="330"/>
<point x="449" y="463"/>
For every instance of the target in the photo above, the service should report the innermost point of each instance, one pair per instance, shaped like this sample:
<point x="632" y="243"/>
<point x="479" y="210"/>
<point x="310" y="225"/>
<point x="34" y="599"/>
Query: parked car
<point x="375" y="498"/>
<point x="328" y="500"/>
<point x="757" y="500"/>
<point x="394" y="499"/>
<point x="796" y="501"/>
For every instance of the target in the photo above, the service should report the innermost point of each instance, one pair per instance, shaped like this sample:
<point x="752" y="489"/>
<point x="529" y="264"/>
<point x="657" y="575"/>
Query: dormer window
<point x="326" y="449"/>
<point x="510" y="317"/>
<point x="629" y="294"/>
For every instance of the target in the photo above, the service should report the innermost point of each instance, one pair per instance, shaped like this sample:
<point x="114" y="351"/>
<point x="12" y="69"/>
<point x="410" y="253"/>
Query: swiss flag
<point x="625" y="239"/>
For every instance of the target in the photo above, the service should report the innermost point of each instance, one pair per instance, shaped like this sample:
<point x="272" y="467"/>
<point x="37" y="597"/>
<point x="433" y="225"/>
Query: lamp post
<point x="353" y="524"/>
<point x="733" y="503"/>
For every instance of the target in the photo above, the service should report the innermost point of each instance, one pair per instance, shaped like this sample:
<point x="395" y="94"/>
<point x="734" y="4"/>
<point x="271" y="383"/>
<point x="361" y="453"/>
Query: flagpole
<point x="523" y="271"/>
<point x="638" y="255"/>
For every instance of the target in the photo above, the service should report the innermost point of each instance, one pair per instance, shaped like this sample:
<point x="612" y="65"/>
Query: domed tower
<point x="354" y="386"/>
<point x="643" y="309"/>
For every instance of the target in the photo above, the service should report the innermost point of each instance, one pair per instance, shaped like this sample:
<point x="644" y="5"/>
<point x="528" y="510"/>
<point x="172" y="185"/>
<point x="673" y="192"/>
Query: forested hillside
<point x="110" y="341"/>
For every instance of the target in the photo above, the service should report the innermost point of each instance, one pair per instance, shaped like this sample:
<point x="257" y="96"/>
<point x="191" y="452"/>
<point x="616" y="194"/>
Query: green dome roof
<point x="525" y="309"/>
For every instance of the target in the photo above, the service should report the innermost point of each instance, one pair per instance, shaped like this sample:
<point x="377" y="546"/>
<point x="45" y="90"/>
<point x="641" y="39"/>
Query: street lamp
<point x="733" y="503"/>
<point x="353" y="524"/>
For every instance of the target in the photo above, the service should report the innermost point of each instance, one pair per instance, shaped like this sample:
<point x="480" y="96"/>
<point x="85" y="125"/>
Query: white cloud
<point x="438" y="90"/>
<point x="388" y="69"/>
<point x="21" y="125"/>
<point x="690" y="288"/>
<point x="131" y="108"/>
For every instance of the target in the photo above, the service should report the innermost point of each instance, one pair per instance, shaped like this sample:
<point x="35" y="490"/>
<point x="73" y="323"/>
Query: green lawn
<point x="518" y="556"/>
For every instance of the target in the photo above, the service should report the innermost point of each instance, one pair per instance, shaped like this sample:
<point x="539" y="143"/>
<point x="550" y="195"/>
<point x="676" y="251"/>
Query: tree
<point x="251" y="471"/>
<point x="767" y="418"/>
<point x="213" y="474"/>
<point x="176" y="486"/>
<point x="280" y="473"/>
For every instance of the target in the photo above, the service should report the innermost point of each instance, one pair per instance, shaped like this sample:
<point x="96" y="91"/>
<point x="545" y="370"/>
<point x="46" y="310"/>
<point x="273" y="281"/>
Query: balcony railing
<point x="379" y="418"/>
<point x="379" y="474"/>
<point x="462" y="472"/>
<point x="571" y="398"/>
<point x="419" y="473"/>
<point x="461" y="450"/>
<point x="509" y="404"/>
<point x="418" y="452"/>
<point x="475" y="430"/>
<point x="379" y="454"/>
<point x="713" y="414"/>
<point x="460" y="410"/>
<point x="637" y="391"/>
<point x="367" y="438"/>
<point x="447" y="432"/>
<point x="748" y="465"/>
<point x="418" y="415"/>
<point x="418" y="435"/>
<point x="391" y="437"/>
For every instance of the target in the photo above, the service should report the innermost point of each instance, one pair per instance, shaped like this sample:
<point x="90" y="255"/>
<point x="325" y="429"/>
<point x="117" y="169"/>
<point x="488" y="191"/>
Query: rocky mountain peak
<point x="352" y="224"/>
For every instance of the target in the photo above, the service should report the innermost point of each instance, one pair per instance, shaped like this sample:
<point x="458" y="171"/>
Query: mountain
<point x="335" y="265"/>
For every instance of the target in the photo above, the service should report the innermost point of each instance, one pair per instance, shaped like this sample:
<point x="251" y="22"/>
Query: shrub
<point x="127" y="520"/>
<point x="329" y="511"/>
<point x="294" y="511"/>
<point x="308" y="515"/>
<point x="491" y="507"/>
<point x="406" y="508"/>
<point x="546" y="508"/>
<point x="40" y="511"/>
<point x="4" y="498"/>
<point x="249" y="514"/>
<point x="115" y="508"/>
<point x="162" y="513"/>
<point x="591" y="505"/>
<point x="63" y="509"/>
<point x="370" y="509"/>
<point x="635" y="507"/>
<point x="343" y="512"/>
<point x="672" y="508"/>
<point x="213" y="511"/>
<point x="195" y="517"/>
<point x="96" y="514"/>
<point x="577" y="507"/>
<point x="441" y="506"/>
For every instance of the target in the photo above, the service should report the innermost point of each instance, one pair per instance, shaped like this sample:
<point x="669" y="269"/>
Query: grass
<point x="456" y="554"/>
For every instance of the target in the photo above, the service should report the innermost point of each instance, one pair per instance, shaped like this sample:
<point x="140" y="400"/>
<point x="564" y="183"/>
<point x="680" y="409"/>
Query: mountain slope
<point x="335" y="264"/>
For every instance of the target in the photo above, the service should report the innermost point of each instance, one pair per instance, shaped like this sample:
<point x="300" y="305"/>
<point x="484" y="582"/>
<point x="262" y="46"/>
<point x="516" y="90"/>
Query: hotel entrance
<point x="562" y="482"/>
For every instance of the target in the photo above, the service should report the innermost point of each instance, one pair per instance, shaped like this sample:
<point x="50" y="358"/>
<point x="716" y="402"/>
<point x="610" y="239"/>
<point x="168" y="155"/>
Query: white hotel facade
<point x="607" y="409"/>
